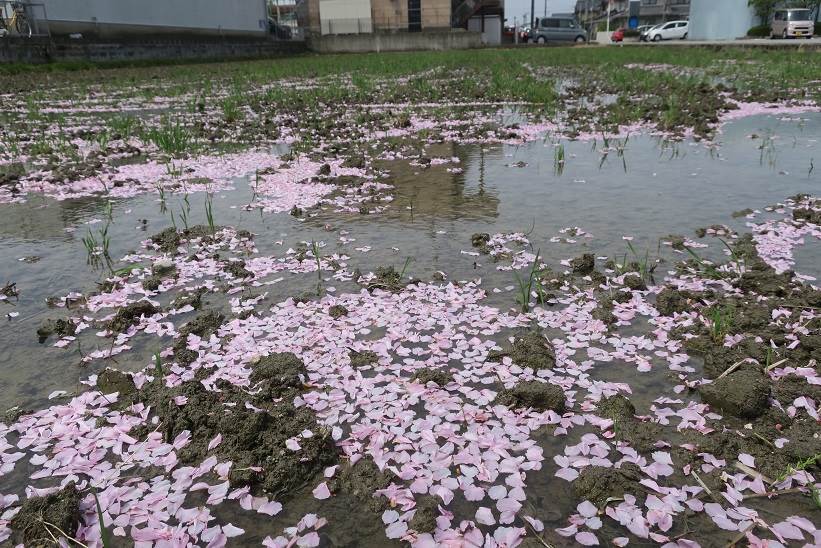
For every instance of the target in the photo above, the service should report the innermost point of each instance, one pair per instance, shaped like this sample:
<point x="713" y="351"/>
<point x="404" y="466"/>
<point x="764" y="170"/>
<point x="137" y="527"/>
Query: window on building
<point x="414" y="15"/>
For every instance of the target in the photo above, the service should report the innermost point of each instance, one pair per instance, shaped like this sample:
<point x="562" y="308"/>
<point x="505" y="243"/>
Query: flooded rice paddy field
<point x="492" y="298"/>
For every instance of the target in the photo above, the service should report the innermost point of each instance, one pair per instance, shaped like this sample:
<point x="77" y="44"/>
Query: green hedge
<point x="817" y="29"/>
<point x="761" y="31"/>
<point x="631" y="33"/>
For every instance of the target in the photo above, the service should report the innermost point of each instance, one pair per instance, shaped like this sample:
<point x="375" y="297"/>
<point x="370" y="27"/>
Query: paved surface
<point x="815" y="42"/>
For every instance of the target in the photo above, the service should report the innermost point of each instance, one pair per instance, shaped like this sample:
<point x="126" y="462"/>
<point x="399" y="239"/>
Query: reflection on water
<point x="667" y="188"/>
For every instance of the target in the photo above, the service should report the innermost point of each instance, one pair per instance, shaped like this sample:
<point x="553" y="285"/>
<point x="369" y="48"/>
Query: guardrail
<point x="24" y="19"/>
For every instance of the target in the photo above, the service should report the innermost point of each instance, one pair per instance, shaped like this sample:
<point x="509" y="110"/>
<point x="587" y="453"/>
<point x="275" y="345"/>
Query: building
<point x="725" y="20"/>
<point x="107" y="18"/>
<point x="378" y="16"/>
<point x="368" y="16"/>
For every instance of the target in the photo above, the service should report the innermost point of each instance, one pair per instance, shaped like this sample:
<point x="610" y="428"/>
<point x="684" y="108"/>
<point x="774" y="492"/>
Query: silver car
<point x="792" y="23"/>
<point x="557" y="29"/>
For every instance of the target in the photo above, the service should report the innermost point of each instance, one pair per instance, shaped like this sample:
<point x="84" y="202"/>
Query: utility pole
<point x="532" y="13"/>
<point x="545" y="8"/>
<point x="608" y="18"/>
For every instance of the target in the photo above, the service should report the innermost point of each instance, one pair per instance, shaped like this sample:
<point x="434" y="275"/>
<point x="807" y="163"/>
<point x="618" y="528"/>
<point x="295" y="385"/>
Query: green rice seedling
<point x="721" y="322"/>
<point x="90" y="243"/>
<point x="230" y="109"/>
<point x="158" y="365"/>
<point x="707" y="268"/>
<point x="318" y="259"/>
<point x="171" y="137"/>
<point x="526" y="285"/>
<point x="558" y="159"/>
<point x="184" y="218"/>
<point x="124" y="126"/>
<point x="405" y="267"/>
<point x="209" y="212"/>
<point x="173" y="171"/>
<point x="105" y="532"/>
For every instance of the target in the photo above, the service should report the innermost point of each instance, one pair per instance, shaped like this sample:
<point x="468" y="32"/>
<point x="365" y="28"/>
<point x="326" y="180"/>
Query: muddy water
<point x="655" y="189"/>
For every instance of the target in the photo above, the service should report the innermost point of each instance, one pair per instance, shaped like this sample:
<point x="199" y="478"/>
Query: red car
<point x="618" y="35"/>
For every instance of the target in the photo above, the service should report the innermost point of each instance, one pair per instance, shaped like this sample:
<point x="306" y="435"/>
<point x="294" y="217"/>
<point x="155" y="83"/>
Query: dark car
<point x="558" y="29"/>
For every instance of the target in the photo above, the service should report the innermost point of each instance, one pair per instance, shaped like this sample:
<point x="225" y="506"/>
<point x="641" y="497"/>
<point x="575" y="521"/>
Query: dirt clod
<point x="743" y="393"/>
<point x="534" y="394"/>
<point x="60" y="509"/>
<point x="427" y="374"/>
<point x="130" y="315"/>
<point x="529" y="350"/>
<point x="597" y="484"/>
<point x="583" y="265"/>
<point x="337" y="311"/>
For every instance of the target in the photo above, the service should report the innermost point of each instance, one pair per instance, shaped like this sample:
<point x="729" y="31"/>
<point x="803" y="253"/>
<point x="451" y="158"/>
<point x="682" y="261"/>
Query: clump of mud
<point x="387" y="278"/>
<point x="158" y="274"/>
<point x="583" y="265"/>
<point x="60" y="510"/>
<point x="634" y="282"/>
<point x="237" y="269"/>
<point x="60" y="327"/>
<point x="112" y="380"/>
<point x="676" y="241"/>
<point x="533" y="394"/>
<point x="529" y="350"/>
<point x="808" y="215"/>
<point x="130" y="315"/>
<point x="671" y="301"/>
<point x="361" y="359"/>
<point x="278" y="375"/>
<point x="743" y="393"/>
<point x="480" y="241"/>
<point x="427" y="374"/>
<point x="193" y="299"/>
<point x="337" y="311"/>
<point x="427" y="510"/>
<point x="361" y="480"/>
<point x="641" y="436"/>
<point x="598" y="484"/>
<point x="203" y="326"/>
<point x="168" y="240"/>
<point x="277" y="446"/>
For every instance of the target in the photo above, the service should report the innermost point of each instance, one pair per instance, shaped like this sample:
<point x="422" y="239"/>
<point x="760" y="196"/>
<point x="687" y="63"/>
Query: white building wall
<point x="210" y="16"/>
<point x="720" y="20"/>
<point x="492" y="33"/>
<point x="345" y="16"/>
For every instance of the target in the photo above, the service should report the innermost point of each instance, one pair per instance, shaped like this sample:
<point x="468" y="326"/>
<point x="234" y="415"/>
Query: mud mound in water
<point x="111" y="380"/>
<point x="742" y="393"/>
<point x="583" y="265"/>
<point x="159" y="273"/>
<point x="278" y="374"/>
<point x="427" y="374"/>
<point x="529" y="350"/>
<point x="129" y="315"/>
<point x="635" y="282"/>
<point x="284" y="441"/>
<point x="480" y="241"/>
<point x="337" y="311"/>
<point x="168" y="240"/>
<point x="718" y="358"/>
<point x="671" y="301"/>
<point x="807" y="215"/>
<point x="203" y="326"/>
<point x="60" y="327"/>
<point x="60" y="509"/>
<point x="427" y="510"/>
<point x="616" y="408"/>
<point x="361" y="359"/>
<point x="787" y="389"/>
<point x="533" y="394"/>
<point x="237" y="270"/>
<point x="361" y="480"/>
<point x="597" y="484"/>
<point x="387" y="278"/>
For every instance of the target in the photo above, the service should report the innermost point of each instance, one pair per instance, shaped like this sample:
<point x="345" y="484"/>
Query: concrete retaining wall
<point x="43" y="51"/>
<point x="398" y="41"/>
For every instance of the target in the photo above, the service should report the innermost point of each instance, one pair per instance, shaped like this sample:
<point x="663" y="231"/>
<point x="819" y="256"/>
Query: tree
<point x="763" y="8"/>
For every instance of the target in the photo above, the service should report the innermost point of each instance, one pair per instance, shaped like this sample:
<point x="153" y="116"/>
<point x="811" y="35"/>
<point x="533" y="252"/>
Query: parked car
<point x="792" y="23"/>
<point x="618" y="35"/>
<point x="558" y="29"/>
<point x="644" y="30"/>
<point x="668" y="31"/>
<point x="524" y="34"/>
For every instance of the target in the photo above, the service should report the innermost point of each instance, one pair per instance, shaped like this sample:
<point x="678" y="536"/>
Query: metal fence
<point x="25" y="19"/>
